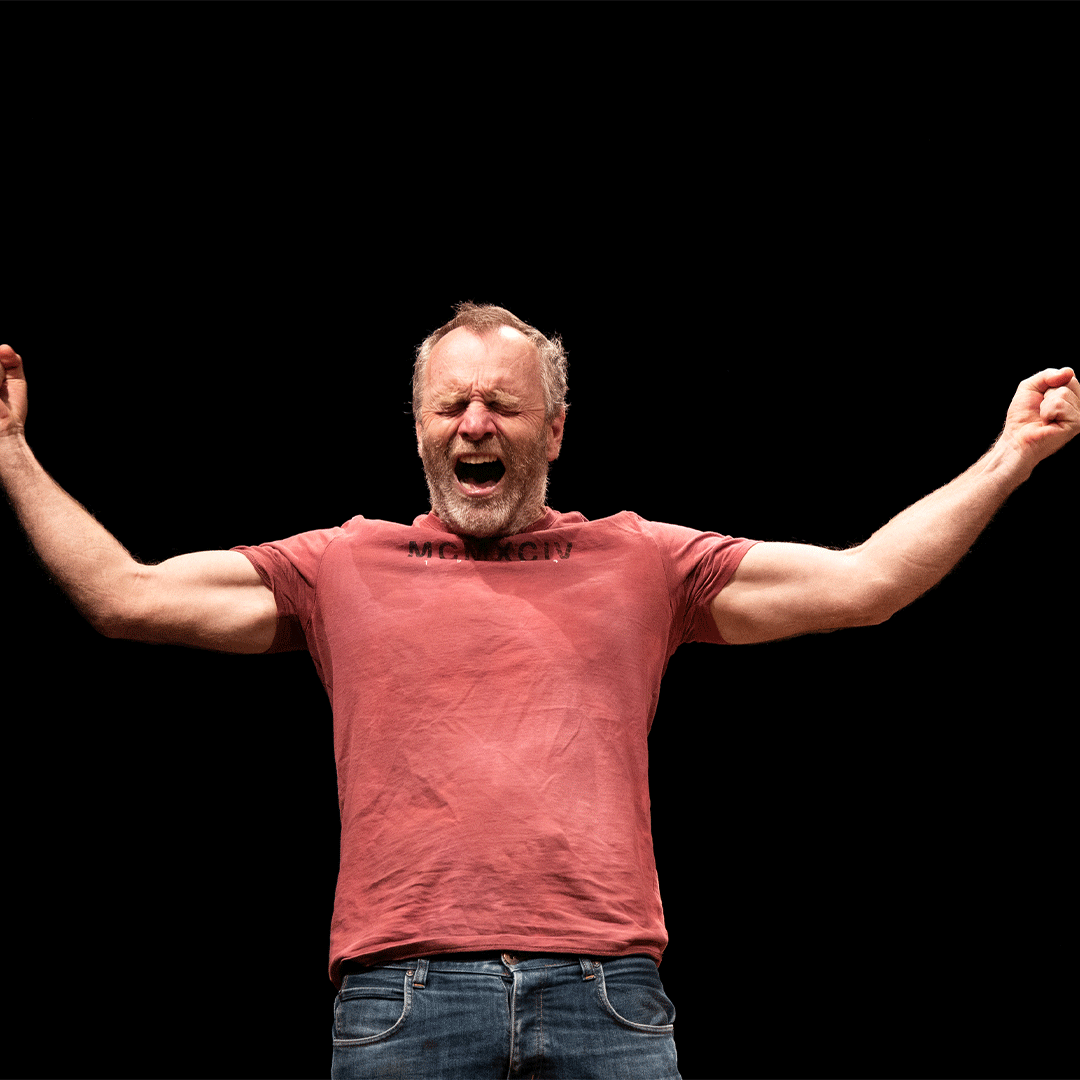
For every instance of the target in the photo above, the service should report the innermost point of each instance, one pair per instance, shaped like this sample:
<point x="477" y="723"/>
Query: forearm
<point x="88" y="563"/>
<point x="918" y="547"/>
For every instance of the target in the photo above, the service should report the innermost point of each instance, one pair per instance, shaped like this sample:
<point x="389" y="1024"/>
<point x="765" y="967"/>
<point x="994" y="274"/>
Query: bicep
<point x="207" y="600"/>
<point x="783" y="590"/>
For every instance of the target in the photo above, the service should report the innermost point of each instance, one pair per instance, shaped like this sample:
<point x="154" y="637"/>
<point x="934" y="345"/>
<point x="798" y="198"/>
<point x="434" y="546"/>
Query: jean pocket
<point x="371" y="1007"/>
<point x="632" y="994"/>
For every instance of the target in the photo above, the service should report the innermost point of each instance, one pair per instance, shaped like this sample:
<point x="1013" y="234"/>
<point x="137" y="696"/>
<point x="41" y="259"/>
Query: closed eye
<point x="497" y="405"/>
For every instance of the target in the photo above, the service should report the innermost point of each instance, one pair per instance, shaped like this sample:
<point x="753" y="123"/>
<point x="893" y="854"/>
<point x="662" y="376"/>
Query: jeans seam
<point x="539" y="1051"/>
<point x="644" y="1029"/>
<point x="406" y="1009"/>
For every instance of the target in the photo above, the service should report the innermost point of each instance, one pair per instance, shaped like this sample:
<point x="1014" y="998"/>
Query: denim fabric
<point x="554" y="1017"/>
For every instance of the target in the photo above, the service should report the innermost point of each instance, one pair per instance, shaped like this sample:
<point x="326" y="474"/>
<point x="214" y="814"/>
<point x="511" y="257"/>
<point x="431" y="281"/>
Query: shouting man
<point x="493" y="668"/>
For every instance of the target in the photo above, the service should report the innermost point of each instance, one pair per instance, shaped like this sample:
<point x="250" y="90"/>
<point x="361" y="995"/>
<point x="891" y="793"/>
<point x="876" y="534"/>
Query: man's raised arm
<point x="211" y="599"/>
<point x="782" y="590"/>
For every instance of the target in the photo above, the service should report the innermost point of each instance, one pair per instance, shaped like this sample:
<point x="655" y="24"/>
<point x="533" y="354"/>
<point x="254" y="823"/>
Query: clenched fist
<point x="12" y="392"/>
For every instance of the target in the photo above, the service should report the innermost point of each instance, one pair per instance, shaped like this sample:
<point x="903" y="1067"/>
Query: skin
<point x="485" y="392"/>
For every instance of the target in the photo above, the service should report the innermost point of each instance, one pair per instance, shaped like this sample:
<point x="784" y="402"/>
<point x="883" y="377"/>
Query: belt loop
<point x="420" y="975"/>
<point x="588" y="968"/>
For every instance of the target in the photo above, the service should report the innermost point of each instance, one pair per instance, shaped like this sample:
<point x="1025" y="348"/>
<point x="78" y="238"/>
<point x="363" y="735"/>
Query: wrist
<point x="14" y="451"/>
<point x="1007" y="464"/>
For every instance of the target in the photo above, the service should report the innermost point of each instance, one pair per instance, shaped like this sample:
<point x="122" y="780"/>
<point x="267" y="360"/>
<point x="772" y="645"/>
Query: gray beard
<point x="516" y="506"/>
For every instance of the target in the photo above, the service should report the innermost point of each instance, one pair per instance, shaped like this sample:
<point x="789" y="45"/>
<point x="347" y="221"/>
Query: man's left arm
<point x="782" y="590"/>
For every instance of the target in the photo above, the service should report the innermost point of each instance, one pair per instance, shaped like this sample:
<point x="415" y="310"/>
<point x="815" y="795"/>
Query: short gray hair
<point x="482" y="318"/>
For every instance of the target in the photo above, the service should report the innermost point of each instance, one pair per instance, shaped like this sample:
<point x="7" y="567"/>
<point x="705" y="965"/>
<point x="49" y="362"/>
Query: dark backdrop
<point x="862" y="837"/>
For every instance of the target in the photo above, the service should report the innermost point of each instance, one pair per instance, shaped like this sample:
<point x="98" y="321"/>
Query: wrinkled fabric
<point x="491" y="705"/>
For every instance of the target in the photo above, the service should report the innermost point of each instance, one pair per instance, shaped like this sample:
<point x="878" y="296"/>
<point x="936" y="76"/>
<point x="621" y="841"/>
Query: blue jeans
<point x="505" y="1016"/>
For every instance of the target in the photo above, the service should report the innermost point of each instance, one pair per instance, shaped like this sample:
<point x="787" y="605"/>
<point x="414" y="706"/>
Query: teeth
<point x="477" y="459"/>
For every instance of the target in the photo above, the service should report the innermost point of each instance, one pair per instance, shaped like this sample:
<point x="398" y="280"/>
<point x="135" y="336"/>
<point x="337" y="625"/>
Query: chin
<point x="481" y="522"/>
<point x="485" y="519"/>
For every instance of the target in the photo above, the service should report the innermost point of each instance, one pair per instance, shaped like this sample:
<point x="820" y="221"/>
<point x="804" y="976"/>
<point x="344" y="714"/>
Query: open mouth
<point x="479" y="473"/>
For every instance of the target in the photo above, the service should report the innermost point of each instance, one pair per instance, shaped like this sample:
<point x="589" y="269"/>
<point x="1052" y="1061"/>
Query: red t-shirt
<point x="491" y="708"/>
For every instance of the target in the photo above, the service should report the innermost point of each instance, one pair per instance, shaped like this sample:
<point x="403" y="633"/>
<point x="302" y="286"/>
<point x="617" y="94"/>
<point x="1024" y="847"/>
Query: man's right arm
<point x="210" y="599"/>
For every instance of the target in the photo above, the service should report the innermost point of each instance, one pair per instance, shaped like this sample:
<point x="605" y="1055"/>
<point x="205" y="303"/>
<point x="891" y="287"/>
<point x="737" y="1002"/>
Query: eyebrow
<point x="492" y="397"/>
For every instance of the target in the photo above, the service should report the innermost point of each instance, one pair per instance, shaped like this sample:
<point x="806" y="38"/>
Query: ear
<point x="555" y="434"/>
<point x="419" y="433"/>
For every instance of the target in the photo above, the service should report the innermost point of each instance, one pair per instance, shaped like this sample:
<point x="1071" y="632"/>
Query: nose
<point x="476" y="422"/>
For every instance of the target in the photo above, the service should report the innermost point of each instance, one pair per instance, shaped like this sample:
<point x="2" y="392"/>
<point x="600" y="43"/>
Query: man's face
<point x="482" y="433"/>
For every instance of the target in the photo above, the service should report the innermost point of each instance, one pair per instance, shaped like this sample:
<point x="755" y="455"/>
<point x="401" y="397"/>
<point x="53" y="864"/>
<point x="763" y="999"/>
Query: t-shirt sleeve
<point x="699" y="565"/>
<point x="289" y="569"/>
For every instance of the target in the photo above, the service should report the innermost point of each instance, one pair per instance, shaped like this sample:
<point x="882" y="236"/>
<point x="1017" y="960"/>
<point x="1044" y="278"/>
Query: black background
<point x="795" y="300"/>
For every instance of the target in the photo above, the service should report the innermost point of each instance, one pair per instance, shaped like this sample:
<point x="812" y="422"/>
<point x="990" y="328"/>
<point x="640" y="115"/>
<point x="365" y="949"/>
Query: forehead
<point x="502" y="359"/>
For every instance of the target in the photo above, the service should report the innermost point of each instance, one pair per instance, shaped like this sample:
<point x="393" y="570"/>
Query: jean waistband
<point x="513" y="957"/>
<point x="417" y="968"/>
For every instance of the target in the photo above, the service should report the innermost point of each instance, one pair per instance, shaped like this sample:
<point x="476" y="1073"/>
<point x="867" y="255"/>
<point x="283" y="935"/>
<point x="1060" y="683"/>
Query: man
<point x="493" y="669"/>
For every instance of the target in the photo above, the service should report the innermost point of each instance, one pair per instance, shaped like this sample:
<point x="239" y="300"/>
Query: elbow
<point x="854" y="617"/>
<point x="116" y="614"/>
<point x="111" y="622"/>
<point x="110" y="601"/>
<point x="874" y="597"/>
<point x="875" y="606"/>
<point x="877" y="615"/>
<point x="883" y="605"/>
